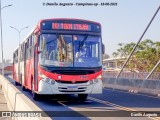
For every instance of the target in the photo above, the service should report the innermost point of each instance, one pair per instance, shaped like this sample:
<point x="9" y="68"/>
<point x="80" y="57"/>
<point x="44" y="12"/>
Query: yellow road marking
<point x="118" y="106"/>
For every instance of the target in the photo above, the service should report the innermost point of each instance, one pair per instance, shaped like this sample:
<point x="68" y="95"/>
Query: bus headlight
<point x="52" y="82"/>
<point x="96" y="80"/>
<point x="91" y="82"/>
<point x="47" y="80"/>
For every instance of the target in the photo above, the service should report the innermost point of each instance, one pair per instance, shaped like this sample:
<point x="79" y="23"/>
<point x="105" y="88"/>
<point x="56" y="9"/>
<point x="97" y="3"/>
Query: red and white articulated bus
<point x="60" y="56"/>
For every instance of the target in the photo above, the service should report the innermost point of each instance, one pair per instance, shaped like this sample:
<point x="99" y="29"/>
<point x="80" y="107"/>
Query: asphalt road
<point x="106" y="105"/>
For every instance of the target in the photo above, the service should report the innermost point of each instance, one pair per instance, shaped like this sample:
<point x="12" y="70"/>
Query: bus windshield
<point x="70" y="50"/>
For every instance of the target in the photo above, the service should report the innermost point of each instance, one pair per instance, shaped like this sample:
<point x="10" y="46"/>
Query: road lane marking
<point x="118" y="106"/>
<point x="111" y="104"/>
<point x="61" y="103"/>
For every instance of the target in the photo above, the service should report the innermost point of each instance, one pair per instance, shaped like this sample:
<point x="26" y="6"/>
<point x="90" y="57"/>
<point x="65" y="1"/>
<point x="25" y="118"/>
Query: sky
<point x="123" y="23"/>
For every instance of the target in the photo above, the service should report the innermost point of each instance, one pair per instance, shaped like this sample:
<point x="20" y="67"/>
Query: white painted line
<point x="61" y="103"/>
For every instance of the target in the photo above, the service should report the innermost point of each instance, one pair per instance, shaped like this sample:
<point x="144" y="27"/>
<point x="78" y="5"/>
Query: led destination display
<point x="70" y="25"/>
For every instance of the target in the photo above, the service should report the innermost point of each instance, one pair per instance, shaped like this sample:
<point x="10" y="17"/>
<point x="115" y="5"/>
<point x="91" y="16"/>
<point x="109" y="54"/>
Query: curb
<point x="17" y="101"/>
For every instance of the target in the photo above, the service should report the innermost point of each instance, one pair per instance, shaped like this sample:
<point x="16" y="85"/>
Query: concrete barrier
<point x="17" y="101"/>
<point x="151" y="87"/>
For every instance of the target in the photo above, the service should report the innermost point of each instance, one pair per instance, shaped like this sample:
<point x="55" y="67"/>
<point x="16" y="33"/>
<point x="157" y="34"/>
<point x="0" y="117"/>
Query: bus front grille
<point x="70" y="82"/>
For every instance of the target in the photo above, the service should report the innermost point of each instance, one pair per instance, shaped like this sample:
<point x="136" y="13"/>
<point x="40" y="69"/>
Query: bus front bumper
<point x="51" y="88"/>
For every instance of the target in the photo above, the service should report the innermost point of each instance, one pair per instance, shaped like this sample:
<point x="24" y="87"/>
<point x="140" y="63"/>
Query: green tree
<point x="145" y="56"/>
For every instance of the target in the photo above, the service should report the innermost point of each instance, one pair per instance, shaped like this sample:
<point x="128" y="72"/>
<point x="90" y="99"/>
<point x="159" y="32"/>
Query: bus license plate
<point x="72" y="87"/>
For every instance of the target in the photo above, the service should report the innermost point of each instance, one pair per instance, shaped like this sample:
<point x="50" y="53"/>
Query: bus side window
<point x="22" y="52"/>
<point x="16" y="56"/>
<point x="27" y="49"/>
<point x="30" y="47"/>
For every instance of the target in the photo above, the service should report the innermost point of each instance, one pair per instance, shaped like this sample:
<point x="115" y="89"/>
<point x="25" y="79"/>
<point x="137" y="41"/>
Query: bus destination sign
<point x="71" y="26"/>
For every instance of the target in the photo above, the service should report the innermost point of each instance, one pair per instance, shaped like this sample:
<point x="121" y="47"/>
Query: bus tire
<point x="82" y="97"/>
<point x="24" y="88"/>
<point x="35" y="96"/>
<point x="16" y="83"/>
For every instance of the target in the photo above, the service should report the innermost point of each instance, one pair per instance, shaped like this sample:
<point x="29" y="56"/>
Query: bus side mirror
<point x="103" y="48"/>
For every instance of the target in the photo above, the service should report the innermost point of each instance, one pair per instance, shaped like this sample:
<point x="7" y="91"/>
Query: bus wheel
<point x="16" y="83"/>
<point x="34" y="94"/>
<point x="24" y="88"/>
<point x="82" y="97"/>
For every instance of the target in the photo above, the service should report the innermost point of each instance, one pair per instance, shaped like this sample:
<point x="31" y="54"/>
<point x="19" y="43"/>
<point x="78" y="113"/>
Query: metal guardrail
<point x="131" y="75"/>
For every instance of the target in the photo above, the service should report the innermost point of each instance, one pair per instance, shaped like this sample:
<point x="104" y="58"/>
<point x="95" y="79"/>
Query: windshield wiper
<point x="82" y="43"/>
<point x="57" y="35"/>
<point x="80" y="47"/>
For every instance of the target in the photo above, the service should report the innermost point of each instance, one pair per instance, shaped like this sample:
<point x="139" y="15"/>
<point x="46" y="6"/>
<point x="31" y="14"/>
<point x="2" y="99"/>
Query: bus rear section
<point x="67" y="58"/>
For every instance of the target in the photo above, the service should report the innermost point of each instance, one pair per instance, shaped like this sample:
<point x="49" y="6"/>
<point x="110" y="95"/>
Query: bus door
<point x="25" y="59"/>
<point x="19" y="66"/>
<point x="36" y="63"/>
